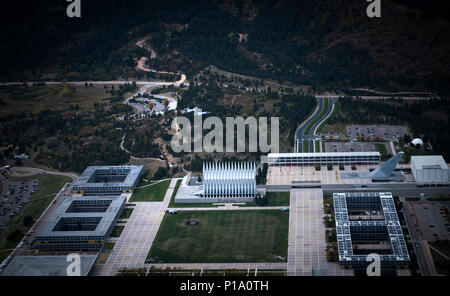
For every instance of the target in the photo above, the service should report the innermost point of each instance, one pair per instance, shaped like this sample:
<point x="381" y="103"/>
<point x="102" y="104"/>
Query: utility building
<point x="229" y="180"/>
<point x="429" y="169"/>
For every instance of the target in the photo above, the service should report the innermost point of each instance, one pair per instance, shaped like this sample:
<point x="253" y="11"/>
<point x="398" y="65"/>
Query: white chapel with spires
<point x="229" y="180"/>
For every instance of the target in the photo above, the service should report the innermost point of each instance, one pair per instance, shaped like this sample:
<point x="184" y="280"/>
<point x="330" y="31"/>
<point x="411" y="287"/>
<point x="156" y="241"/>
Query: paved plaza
<point x="287" y="175"/>
<point x="133" y="245"/>
<point x="307" y="246"/>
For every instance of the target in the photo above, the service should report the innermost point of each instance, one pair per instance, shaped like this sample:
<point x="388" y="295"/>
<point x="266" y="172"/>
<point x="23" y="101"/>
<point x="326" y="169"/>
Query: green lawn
<point x="126" y="213"/>
<point x="412" y="198"/>
<point x="154" y="192"/>
<point x="49" y="186"/>
<point x="117" y="231"/>
<point x="305" y="146"/>
<point x="108" y="246"/>
<point x="336" y="109"/>
<point x="275" y="199"/>
<point x="222" y="236"/>
<point x="380" y="148"/>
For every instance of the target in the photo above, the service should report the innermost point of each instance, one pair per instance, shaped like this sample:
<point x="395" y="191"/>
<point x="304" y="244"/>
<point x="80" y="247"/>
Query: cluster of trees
<point x="299" y="41"/>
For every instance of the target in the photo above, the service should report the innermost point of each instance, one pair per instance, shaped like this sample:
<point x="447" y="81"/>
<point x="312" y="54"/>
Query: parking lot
<point x="383" y="132"/>
<point x="432" y="220"/>
<point x="355" y="147"/>
<point x="14" y="196"/>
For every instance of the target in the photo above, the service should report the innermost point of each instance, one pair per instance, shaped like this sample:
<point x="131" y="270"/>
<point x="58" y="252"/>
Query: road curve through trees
<point x="306" y="131"/>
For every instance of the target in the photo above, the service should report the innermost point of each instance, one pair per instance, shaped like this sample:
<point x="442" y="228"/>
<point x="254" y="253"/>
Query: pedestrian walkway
<point x="133" y="245"/>
<point x="307" y="246"/>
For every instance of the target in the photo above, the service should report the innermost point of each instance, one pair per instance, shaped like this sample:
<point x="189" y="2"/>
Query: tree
<point x="27" y="221"/>
<point x="262" y="201"/>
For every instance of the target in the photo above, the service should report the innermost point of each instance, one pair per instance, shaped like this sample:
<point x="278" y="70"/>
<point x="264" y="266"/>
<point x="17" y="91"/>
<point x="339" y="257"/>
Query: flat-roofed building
<point x="107" y="180"/>
<point x="46" y="265"/>
<point x="80" y="223"/>
<point x="429" y="169"/>
<point x="324" y="158"/>
<point x="366" y="223"/>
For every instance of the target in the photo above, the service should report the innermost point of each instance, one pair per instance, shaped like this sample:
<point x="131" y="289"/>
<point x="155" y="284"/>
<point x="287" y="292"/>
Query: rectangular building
<point x="46" y="265"/>
<point x="107" y="180"/>
<point x="229" y="180"/>
<point x="366" y="223"/>
<point x="429" y="169"/>
<point x="325" y="158"/>
<point x="80" y="223"/>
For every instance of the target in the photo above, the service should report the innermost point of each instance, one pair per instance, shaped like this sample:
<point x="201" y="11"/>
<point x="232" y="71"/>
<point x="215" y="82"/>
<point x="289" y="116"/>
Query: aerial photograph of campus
<point x="207" y="138"/>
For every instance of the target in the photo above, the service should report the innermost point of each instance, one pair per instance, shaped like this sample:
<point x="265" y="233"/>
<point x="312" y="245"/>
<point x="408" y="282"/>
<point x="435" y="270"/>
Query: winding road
<point x="303" y="134"/>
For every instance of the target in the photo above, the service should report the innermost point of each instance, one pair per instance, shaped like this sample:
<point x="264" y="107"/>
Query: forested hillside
<point x="329" y="43"/>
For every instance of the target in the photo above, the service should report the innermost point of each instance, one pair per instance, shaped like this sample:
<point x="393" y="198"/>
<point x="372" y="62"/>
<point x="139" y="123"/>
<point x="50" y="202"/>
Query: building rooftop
<point x="343" y="201"/>
<point x="109" y="176"/>
<point x="324" y="154"/>
<point x="46" y="265"/>
<point x="97" y="212"/>
<point x="429" y="162"/>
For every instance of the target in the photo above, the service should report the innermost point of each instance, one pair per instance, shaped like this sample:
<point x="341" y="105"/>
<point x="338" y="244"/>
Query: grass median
<point x="322" y="114"/>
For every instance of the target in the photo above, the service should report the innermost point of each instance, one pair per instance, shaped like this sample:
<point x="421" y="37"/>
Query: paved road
<point x="29" y="171"/>
<point x="400" y="189"/>
<point x="310" y="136"/>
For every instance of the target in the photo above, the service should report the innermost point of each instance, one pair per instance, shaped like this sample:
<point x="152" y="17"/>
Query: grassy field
<point x="222" y="236"/>
<point x="275" y="199"/>
<point x="49" y="186"/>
<point x="126" y="213"/>
<point x="20" y="99"/>
<point x="154" y="192"/>
<point x="305" y="146"/>
<point x="117" y="231"/>
<point x="412" y="198"/>
<point x="380" y="148"/>
<point x="108" y="246"/>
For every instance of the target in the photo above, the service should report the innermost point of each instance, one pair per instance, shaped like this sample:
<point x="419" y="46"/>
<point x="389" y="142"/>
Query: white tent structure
<point x="229" y="180"/>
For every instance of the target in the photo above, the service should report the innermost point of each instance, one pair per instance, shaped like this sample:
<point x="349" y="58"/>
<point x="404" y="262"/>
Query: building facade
<point x="107" y="180"/>
<point x="430" y="169"/>
<point x="229" y="180"/>
<point x="80" y="223"/>
<point x="324" y="158"/>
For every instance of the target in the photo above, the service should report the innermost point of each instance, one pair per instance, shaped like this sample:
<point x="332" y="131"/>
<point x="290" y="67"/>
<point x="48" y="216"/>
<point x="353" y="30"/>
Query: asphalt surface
<point x="310" y="137"/>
